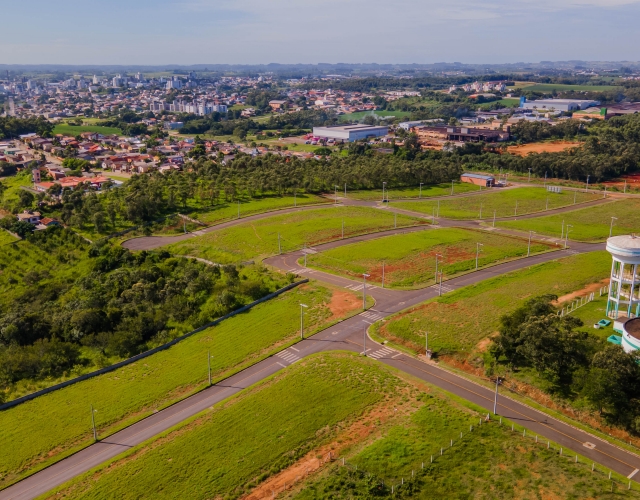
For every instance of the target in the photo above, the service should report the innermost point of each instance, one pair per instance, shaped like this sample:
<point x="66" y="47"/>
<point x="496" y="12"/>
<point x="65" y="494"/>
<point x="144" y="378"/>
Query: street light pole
<point x="587" y="188"/>
<point x="302" y="306"/>
<point x="420" y="195"/>
<point x="529" y="246"/>
<point x="478" y="245"/>
<point x="566" y="235"/>
<point x="364" y="341"/>
<point x="611" y="226"/>
<point x="383" y="274"/>
<point x="209" y="365"/>
<point x="495" y="400"/>
<point x="335" y="193"/>
<point x="494" y="218"/>
<point x="529" y="175"/>
<point x="384" y="184"/>
<point x="440" y="289"/>
<point x="437" y="255"/>
<point x="452" y="188"/>
<point x="364" y="291"/>
<point x="93" y="424"/>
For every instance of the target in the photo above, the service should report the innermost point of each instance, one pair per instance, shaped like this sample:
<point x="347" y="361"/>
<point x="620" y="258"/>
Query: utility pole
<point x="335" y="193"/>
<point x="452" y="188"/>
<point x="395" y="221"/>
<point x="575" y="193"/>
<point x="364" y="341"/>
<point x="480" y="211"/>
<point x="279" y="245"/>
<point x="384" y="184"/>
<point x="440" y="290"/>
<point x="545" y="179"/>
<point x="295" y="202"/>
<point x="345" y="189"/>
<point x="625" y="186"/>
<point x="494" y="218"/>
<point x="420" y="195"/>
<point x="529" y="175"/>
<point x="343" y="229"/>
<point x="209" y="364"/>
<point x="438" y="212"/>
<point x="562" y="231"/>
<point x="238" y="210"/>
<point x="364" y="291"/>
<point x="529" y="246"/>
<point x="587" y="188"/>
<point x="302" y="308"/>
<point x="516" y="210"/>
<point x="478" y="245"/>
<point x="383" y="274"/>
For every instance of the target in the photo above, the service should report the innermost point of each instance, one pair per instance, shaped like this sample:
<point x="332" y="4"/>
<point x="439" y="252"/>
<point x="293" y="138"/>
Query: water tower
<point x="624" y="290"/>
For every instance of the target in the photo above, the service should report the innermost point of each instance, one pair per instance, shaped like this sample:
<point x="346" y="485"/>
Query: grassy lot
<point x="259" y="239"/>
<point x="510" y="102"/>
<point x="413" y="192"/>
<point x="28" y="439"/>
<point x="229" y="210"/>
<point x="528" y="200"/>
<point x="410" y="259"/>
<point x="589" y="224"/>
<point x="12" y="188"/>
<point x="489" y="462"/>
<point x="6" y="238"/>
<point x="66" y="129"/>
<point x="359" y="115"/>
<point x="226" y="451"/>
<point x="459" y="320"/>
<point x="550" y="87"/>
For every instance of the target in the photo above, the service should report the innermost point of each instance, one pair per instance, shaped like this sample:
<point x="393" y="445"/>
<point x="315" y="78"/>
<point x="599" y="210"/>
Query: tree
<point x="99" y="220"/>
<point x="22" y="228"/>
<point x="26" y="198"/>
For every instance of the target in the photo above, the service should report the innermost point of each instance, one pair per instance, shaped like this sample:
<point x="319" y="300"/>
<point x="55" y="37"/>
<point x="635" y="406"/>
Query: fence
<point x="554" y="189"/>
<point x="579" y="302"/>
<point x="145" y="354"/>
<point x="393" y="487"/>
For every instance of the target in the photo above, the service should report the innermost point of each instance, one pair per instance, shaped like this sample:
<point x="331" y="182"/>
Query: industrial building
<point x="478" y="179"/>
<point x="461" y="134"/>
<point x="558" y="104"/>
<point x="350" y="133"/>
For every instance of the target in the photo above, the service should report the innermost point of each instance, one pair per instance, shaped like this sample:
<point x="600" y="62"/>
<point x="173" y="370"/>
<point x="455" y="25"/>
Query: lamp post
<point x="364" y="341"/>
<point x="345" y="189"/>
<point x="302" y="308"/>
<point x="209" y="356"/>
<point x="335" y="195"/>
<point x="437" y="255"/>
<point x="494" y="218"/>
<point x="478" y="245"/>
<point x="566" y="235"/>
<point x="562" y="231"/>
<point x="93" y="424"/>
<point x="545" y="179"/>
<point x="384" y="185"/>
<point x="238" y="210"/>
<point x="495" y="399"/>
<point x="587" y="188"/>
<point x="383" y="274"/>
<point x="452" y="188"/>
<point x="364" y="291"/>
<point x="440" y="289"/>
<point x="529" y="245"/>
<point x="529" y="175"/>
<point x="480" y="211"/>
<point x="611" y="226"/>
<point x="420" y="195"/>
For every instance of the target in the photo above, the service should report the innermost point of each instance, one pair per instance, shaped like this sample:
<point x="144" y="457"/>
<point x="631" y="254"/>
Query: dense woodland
<point x="89" y="304"/>
<point x="571" y="362"/>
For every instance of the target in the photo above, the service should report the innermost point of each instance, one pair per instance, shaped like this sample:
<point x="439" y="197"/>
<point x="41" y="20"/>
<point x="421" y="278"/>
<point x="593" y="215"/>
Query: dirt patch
<point x="342" y="303"/>
<point x="542" y="147"/>
<point x="593" y="287"/>
<point x="316" y="459"/>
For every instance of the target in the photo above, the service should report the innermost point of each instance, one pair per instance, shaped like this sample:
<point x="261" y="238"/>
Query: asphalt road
<point x="350" y="335"/>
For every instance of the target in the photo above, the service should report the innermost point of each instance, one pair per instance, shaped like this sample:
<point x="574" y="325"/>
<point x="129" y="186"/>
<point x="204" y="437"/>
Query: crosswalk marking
<point x="385" y="351"/>
<point x="373" y="315"/>
<point x="445" y="288"/>
<point x="633" y="473"/>
<point x="288" y="356"/>
<point x="572" y="252"/>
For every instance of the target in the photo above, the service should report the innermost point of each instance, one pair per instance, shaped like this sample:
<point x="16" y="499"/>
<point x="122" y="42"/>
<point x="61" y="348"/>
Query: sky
<point x="303" y="31"/>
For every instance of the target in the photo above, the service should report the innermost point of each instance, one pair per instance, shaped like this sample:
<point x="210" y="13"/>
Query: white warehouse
<point x="559" y="104"/>
<point x="350" y="133"/>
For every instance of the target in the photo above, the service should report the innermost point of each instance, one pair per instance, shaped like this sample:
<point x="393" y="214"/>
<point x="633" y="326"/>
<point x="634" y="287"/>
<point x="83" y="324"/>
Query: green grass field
<point x="410" y="259"/>
<point x="6" y="238"/>
<point x="589" y="224"/>
<point x="428" y="191"/>
<point x="459" y="320"/>
<point x="66" y="129"/>
<point x="134" y="391"/>
<point x="507" y="103"/>
<point x="224" y="452"/>
<point x="12" y="188"/>
<point x="487" y="463"/>
<point x="503" y="202"/>
<point x="259" y="239"/>
<point x="229" y="210"/>
<point x="550" y="87"/>
<point x="359" y="115"/>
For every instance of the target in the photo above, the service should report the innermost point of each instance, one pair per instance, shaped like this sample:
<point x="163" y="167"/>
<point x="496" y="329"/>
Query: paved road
<point x="349" y="335"/>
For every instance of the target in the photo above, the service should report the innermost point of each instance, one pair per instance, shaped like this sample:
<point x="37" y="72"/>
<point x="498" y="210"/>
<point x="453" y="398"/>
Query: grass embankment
<point x="253" y="240"/>
<point x="73" y="130"/>
<point x="589" y="224"/>
<point x="504" y="202"/>
<point x="359" y="115"/>
<point x="6" y="238"/>
<point x="410" y="259"/>
<point x="229" y="210"/>
<point x="428" y="191"/>
<point x="132" y="392"/>
<point x="269" y="437"/>
<point x="459" y="320"/>
<point x="12" y="189"/>
<point x="559" y="87"/>
<point x="224" y="452"/>
<point x="489" y="462"/>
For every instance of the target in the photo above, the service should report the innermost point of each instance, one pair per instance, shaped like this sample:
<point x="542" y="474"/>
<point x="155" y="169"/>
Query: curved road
<point x="349" y="335"/>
